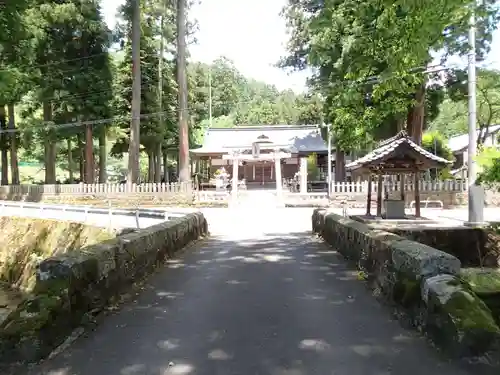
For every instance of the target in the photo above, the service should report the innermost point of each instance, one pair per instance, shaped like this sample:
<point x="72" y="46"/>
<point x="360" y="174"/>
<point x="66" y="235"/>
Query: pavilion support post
<point x="417" y="194"/>
<point x="303" y="175"/>
<point x="277" y="174"/>
<point x="234" y="191"/>
<point x="402" y="186"/>
<point x="379" y="195"/>
<point x="369" y="196"/>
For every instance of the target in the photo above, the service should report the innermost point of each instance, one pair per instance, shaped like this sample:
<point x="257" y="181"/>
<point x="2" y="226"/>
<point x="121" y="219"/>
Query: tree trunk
<point x="4" y="146"/>
<point x="70" y="161"/>
<point x="158" y="163"/>
<point x="182" y="84"/>
<point x="14" y="164"/>
<point x="165" y="166"/>
<point x="417" y="115"/>
<point x="158" y="150"/>
<point x="409" y="124"/>
<point x="151" y="167"/>
<point x="134" y="169"/>
<point x="50" y="147"/>
<point x="339" y="165"/>
<point x="89" y="155"/>
<point x="400" y="124"/>
<point x="103" y="175"/>
<point x="81" y="157"/>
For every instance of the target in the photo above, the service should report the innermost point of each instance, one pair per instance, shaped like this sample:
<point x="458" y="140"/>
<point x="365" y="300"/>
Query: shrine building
<point x="259" y="150"/>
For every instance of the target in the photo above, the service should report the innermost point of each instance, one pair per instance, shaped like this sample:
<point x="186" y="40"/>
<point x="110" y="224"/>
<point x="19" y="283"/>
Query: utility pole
<point x="475" y="196"/>
<point x="210" y="94"/>
<point x="158" y="155"/>
<point x="329" y="162"/>
<point x="134" y="146"/>
<point x="182" y="98"/>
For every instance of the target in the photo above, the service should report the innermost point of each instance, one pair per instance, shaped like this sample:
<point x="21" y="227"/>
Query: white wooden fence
<point x="340" y="189"/>
<point x="96" y="189"/>
<point x="425" y="186"/>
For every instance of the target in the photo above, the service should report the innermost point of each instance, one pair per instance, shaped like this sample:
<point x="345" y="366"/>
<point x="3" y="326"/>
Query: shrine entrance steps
<point x="258" y="199"/>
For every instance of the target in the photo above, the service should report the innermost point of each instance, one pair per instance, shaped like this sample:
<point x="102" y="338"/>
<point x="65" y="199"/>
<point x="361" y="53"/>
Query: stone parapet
<point x="70" y="285"/>
<point x="422" y="280"/>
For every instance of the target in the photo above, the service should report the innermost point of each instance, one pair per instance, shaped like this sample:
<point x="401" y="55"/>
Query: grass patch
<point x="482" y="280"/>
<point x="131" y="201"/>
<point x="24" y="242"/>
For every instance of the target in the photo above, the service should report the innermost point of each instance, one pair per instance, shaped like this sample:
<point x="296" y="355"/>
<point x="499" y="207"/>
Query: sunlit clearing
<point x="318" y="345"/>
<point x="274" y="257"/>
<point x="61" y="371"/>
<point x="368" y="350"/>
<point x="169" y="295"/>
<point x="133" y="370"/>
<point x="179" y="369"/>
<point x="168" y="344"/>
<point x="219" y="354"/>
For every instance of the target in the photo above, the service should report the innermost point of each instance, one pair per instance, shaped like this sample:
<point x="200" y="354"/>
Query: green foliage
<point x="453" y="114"/>
<point x="312" y="167"/>
<point x="155" y="126"/>
<point x="237" y="100"/>
<point x="452" y="118"/>
<point x="369" y="59"/>
<point x="57" y="68"/>
<point x="436" y="144"/>
<point x="488" y="161"/>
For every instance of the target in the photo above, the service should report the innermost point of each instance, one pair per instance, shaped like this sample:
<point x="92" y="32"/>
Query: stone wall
<point x="70" y="285"/>
<point x="474" y="247"/>
<point x="450" y="199"/>
<point x="423" y="281"/>
<point x="467" y="244"/>
<point x="456" y="198"/>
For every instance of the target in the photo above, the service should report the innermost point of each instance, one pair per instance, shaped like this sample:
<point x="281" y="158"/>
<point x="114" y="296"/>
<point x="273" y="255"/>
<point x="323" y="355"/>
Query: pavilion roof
<point x="397" y="153"/>
<point x="294" y="138"/>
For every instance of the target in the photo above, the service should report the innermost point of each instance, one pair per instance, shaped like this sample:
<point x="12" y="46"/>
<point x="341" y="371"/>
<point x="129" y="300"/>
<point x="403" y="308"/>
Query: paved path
<point x="260" y="297"/>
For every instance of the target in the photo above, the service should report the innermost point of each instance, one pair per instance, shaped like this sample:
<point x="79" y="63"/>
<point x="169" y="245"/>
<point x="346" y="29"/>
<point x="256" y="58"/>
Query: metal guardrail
<point x="425" y="204"/>
<point x="89" y="210"/>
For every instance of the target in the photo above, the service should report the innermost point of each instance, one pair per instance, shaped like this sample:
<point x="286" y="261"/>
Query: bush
<point x="435" y="144"/>
<point x="488" y="161"/>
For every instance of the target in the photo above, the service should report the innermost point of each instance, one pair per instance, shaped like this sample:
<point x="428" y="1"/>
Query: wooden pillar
<point x="277" y="167"/>
<point x="417" y="194"/>
<point x="234" y="191"/>
<point x="379" y="195"/>
<point x="303" y="175"/>
<point x="402" y="186"/>
<point x="369" y="197"/>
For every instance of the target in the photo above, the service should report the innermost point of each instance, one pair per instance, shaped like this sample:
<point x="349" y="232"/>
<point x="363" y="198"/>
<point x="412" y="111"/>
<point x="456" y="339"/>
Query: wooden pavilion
<point x="398" y="155"/>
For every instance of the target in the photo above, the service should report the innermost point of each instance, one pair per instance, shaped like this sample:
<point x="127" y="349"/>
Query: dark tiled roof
<point x="389" y="146"/>
<point x="300" y="138"/>
<point x="461" y="142"/>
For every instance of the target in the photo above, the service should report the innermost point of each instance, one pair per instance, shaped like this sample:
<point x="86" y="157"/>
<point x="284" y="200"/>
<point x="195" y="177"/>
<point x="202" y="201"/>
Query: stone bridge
<point x="262" y="295"/>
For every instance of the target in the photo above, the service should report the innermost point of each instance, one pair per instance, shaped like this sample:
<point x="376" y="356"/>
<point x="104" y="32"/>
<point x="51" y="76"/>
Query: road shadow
<point x="282" y="304"/>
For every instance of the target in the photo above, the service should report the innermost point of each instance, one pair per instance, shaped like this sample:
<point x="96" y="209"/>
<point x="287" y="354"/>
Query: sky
<point x="252" y="34"/>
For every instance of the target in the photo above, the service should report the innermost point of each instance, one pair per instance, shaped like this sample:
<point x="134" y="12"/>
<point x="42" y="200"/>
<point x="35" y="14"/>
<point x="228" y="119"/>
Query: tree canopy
<point x="66" y="92"/>
<point x="371" y="60"/>
<point x="66" y="82"/>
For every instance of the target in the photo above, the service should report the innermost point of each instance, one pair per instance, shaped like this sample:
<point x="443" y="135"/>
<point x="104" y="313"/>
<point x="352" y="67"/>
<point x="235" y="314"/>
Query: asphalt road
<point x="260" y="297"/>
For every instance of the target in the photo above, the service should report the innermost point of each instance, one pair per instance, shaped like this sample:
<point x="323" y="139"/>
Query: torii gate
<point x="236" y="156"/>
